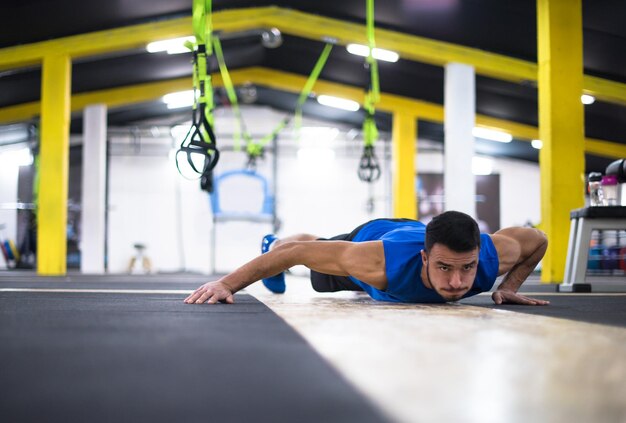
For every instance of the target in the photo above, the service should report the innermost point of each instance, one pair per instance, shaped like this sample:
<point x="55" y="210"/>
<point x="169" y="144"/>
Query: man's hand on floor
<point x="502" y="296"/>
<point x="211" y="293"/>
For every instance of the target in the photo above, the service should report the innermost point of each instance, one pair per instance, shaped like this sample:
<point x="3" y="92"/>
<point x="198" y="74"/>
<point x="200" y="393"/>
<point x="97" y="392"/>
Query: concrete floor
<point x="460" y="363"/>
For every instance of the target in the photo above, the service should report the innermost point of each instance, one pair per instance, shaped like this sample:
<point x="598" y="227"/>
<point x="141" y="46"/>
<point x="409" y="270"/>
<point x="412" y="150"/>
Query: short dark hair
<point x="457" y="231"/>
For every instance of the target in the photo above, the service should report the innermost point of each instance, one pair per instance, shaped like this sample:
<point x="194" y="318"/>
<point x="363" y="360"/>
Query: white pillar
<point x="94" y="185"/>
<point x="460" y="114"/>
<point x="9" y="174"/>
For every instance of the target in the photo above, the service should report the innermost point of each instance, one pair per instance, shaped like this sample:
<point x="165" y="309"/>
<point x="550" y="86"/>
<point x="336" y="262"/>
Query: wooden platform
<point x="462" y="363"/>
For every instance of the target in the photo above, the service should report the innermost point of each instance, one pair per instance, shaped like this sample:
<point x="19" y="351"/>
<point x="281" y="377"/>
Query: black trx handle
<point x="206" y="181"/>
<point x="195" y="142"/>
<point x="251" y="162"/>
<point x="369" y="169"/>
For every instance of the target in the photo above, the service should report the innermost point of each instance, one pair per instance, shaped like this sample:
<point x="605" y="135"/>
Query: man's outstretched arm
<point x="519" y="252"/>
<point x="363" y="260"/>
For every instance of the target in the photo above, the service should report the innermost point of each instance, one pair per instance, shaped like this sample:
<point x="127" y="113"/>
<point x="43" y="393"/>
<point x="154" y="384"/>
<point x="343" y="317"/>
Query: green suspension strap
<point x="240" y="129"/>
<point x="369" y="169"/>
<point x="308" y="87"/>
<point x="203" y="30"/>
<point x="200" y="140"/>
<point x="256" y="148"/>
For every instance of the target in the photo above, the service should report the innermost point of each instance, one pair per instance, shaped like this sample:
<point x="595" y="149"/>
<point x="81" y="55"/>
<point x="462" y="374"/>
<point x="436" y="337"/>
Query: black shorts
<point x="331" y="283"/>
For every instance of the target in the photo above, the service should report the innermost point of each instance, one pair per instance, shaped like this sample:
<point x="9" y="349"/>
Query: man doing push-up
<point x="398" y="260"/>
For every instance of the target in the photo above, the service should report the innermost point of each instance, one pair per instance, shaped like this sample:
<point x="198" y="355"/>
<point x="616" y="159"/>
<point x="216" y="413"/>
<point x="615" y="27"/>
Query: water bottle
<point x="596" y="195"/>
<point x="609" y="190"/>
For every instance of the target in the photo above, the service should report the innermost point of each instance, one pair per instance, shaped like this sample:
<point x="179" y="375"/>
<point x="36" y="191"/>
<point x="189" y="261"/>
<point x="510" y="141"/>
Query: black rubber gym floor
<point x="606" y="309"/>
<point x="111" y="357"/>
<point x="140" y="356"/>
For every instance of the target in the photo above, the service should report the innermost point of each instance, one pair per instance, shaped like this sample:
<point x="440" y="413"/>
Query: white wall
<point x="519" y="186"/>
<point x="520" y="192"/>
<point x="318" y="192"/>
<point x="144" y="195"/>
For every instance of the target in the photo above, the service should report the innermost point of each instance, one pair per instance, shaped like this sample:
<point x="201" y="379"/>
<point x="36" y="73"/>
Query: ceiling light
<point x="490" y="134"/>
<point x="587" y="99"/>
<point x="378" y="53"/>
<point x="173" y="46"/>
<point x="179" y="99"/>
<point x="538" y="144"/>
<point x="482" y="166"/>
<point x="338" y="103"/>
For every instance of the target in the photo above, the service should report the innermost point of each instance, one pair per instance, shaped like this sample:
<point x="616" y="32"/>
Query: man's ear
<point x="424" y="256"/>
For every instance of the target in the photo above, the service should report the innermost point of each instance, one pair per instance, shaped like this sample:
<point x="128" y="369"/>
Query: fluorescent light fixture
<point x="587" y="99"/>
<point x="492" y="135"/>
<point x="378" y="53"/>
<point x="179" y="99"/>
<point x="482" y="166"/>
<point x="338" y="103"/>
<point x="172" y="46"/>
<point x="538" y="144"/>
<point x="16" y="157"/>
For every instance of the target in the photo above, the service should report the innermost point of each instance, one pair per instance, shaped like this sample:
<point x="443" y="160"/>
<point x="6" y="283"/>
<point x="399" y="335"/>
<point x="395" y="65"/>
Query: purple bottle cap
<point x="609" y="180"/>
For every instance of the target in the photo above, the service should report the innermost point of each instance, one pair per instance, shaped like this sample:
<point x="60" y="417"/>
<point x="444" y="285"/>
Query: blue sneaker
<point x="276" y="283"/>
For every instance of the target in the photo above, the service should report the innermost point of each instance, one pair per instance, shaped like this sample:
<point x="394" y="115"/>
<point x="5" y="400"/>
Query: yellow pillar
<point x="404" y="132"/>
<point x="54" y="165"/>
<point x="561" y="125"/>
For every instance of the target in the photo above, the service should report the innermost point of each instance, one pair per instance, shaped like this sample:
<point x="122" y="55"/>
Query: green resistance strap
<point x="200" y="142"/>
<point x="373" y="96"/>
<point x="203" y="30"/>
<point x="369" y="169"/>
<point x="255" y="148"/>
<point x="232" y="95"/>
<point x="308" y="87"/>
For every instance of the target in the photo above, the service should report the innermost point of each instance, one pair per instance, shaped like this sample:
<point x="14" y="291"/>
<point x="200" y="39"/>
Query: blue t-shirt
<point x="402" y="242"/>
